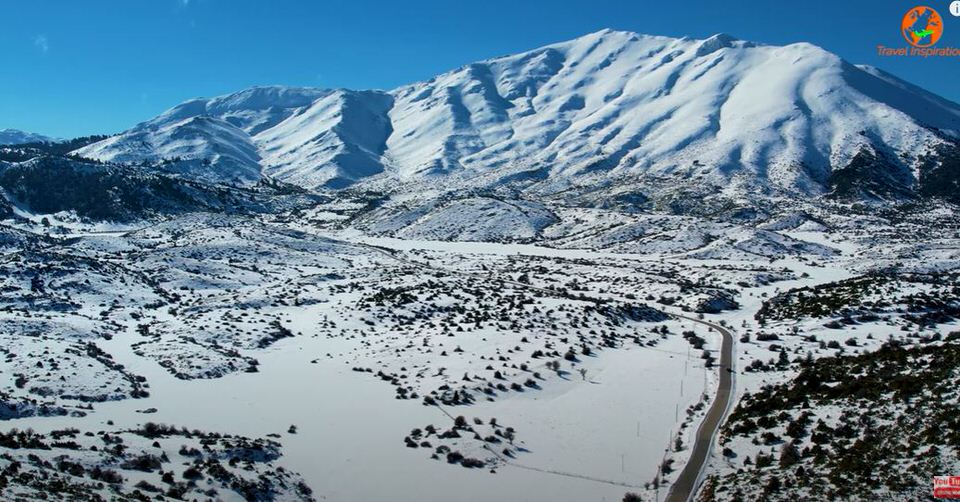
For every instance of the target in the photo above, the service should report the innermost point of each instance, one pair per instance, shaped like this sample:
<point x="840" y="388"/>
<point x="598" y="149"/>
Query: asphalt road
<point x="686" y="484"/>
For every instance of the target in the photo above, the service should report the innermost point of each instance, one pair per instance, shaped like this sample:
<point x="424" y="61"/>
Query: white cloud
<point x="41" y="42"/>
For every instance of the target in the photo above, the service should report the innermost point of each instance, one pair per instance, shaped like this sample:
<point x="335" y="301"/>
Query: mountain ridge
<point x="18" y="137"/>
<point x="721" y="111"/>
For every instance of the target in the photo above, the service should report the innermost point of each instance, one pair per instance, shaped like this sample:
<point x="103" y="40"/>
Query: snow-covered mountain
<point x="717" y="112"/>
<point x="17" y="137"/>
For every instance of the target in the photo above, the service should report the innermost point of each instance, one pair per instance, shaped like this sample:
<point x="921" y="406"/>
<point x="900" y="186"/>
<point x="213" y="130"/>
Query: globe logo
<point x="922" y="26"/>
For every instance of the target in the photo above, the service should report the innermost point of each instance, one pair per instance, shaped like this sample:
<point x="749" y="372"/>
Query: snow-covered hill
<point x="207" y="138"/>
<point x="17" y="137"/>
<point x="108" y="192"/>
<point x="721" y="112"/>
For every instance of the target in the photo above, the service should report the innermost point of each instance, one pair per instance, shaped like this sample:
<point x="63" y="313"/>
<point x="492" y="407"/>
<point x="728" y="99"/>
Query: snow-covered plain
<point x="249" y="325"/>
<point x="309" y="308"/>
<point x="348" y="443"/>
<point x="210" y="298"/>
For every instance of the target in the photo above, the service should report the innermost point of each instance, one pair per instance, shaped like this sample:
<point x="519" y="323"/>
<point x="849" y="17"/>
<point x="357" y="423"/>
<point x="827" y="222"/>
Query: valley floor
<point x="356" y="354"/>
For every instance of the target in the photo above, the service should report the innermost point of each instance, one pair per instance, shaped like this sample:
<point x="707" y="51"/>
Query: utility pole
<point x="704" y="379"/>
<point x="656" y="484"/>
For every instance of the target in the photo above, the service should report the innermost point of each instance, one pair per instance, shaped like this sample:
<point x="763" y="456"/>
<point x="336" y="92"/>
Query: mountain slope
<point x="334" y="142"/>
<point x="49" y="184"/>
<point x="17" y="137"/>
<point x="742" y="117"/>
<point x="209" y="139"/>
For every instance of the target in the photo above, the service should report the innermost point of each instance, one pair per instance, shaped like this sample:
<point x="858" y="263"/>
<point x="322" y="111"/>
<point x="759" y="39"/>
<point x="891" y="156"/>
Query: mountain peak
<point x="626" y="35"/>
<point x="18" y="137"/>
<point x="720" y="110"/>
<point x="723" y="37"/>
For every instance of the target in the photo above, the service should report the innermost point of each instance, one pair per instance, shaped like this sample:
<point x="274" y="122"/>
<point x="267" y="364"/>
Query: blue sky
<point x="71" y="68"/>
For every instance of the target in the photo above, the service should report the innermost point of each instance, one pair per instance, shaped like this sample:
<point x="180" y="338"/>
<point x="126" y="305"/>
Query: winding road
<point x="685" y="487"/>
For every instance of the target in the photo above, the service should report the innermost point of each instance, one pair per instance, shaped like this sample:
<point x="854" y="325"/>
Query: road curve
<point x="685" y="487"/>
<point x="687" y="482"/>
